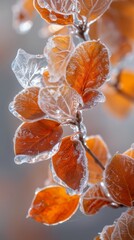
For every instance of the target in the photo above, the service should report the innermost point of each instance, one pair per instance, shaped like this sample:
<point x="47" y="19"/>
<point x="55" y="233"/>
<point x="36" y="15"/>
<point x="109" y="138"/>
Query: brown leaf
<point x="52" y="205"/>
<point x="92" y="97"/>
<point x="94" y="199"/>
<point x="25" y="105"/>
<point x="31" y="139"/>
<point x="53" y="17"/>
<point x="57" y="51"/>
<point x="88" y="67"/>
<point x="69" y="165"/>
<point x="100" y="150"/>
<point x="119" y="179"/>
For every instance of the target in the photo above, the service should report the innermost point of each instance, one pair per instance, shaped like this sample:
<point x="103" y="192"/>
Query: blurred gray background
<point x="18" y="183"/>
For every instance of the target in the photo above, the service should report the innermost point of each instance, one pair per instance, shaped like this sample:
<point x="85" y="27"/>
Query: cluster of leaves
<point x="58" y="86"/>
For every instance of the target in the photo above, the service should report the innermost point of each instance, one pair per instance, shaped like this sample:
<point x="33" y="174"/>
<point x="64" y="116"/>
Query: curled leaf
<point x="53" y="17"/>
<point x="52" y="205"/>
<point x="119" y="178"/>
<point x="69" y="165"/>
<point x="100" y="150"/>
<point x="94" y="199"/>
<point x="60" y="103"/>
<point x="37" y="141"/>
<point x="28" y="68"/>
<point x="57" y="51"/>
<point x="25" y="105"/>
<point x="88" y="67"/>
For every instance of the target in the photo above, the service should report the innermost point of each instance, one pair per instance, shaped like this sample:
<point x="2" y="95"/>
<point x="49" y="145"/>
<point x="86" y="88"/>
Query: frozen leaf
<point x="57" y="51"/>
<point x="23" y="13"/>
<point x="60" y="103"/>
<point x="92" y="97"/>
<point x="94" y="199"/>
<point x="93" y="9"/>
<point x="37" y="141"/>
<point x="116" y="103"/>
<point x="88" y="67"/>
<point x="53" y="17"/>
<point x="25" y="105"/>
<point x="107" y="233"/>
<point x="28" y="68"/>
<point x="100" y="150"/>
<point x="124" y="227"/>
<point x="130" y="152"/>
<point x="60" y="6"/>
<point x="53" y="29"/>
<point x="119" y="179"/>
<point x="97" y="238"/>
<point x="69" y="165"/>
<point x="52" y="205"/>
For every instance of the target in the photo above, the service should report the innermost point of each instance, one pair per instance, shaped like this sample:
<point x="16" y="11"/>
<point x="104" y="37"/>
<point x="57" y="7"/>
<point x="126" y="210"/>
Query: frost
<point x="60" y="6"/>
<point x="20" y="159"/>
<point x="28" y="68"/>
<point x="60" y="103"/>
<point x="57" y="51"/>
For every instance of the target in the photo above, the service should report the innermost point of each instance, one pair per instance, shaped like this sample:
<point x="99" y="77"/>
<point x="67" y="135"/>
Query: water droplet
<point x="52" y="17"/>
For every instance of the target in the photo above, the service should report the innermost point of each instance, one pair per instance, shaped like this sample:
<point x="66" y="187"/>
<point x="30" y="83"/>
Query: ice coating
<point x="60" y="103"/>
<point x="20" y="159"/>
<point x="78" y="156"/>
<point x="28" y="68"/>
<point x="60" y="6"/>
<point x="57" y="52"/>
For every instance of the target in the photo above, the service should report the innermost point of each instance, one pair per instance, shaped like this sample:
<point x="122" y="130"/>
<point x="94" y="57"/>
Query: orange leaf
<point x="94" y="199"/>
<point x="53" y="17"/>
<point x="126" y="82"/>
<point x="57" y="51"/>
<point x="97" y="238"/>
<point x="52" y="205"/>
<point x="123" y="229"/>
<point x="92" y="9"/>
<point x="92" y="97"/>
<point x="69" y="165"/>
<point x="119" y="179"/>
<point x="25" y="105"/>
<point x="130" y="152"/>
<point x="100" y="150"/>
<point x="88" y="67"/>
<point x="116" y="103"/>
<point x="31" y="139"/>
<point x="107" y="232"/>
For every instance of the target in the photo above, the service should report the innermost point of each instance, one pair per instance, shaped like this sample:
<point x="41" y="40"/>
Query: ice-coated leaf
<point x="119" y="179"/>
<point x="88" y="67"/>
<point x="28" y="68"/>
<point x="25" y="105"/>
<point x="23" y="12"/>
<point x="93" y="9"/>
<point x="57" y="51"/>
<point x="69" y="166"/>
<point x="130" y="152"/>
<point x="53" y="17"/>
<point x="92" y="97"/>
<point x="99" y="148"/>
<point x="106" y="233"/>
<point x="94" y="199"/>
<point x="52" y="205"/>
<point x="37" y="141"/>
<point x="123" y="228"/>
<point x="60" y="103"/>
<point x="60" y="6"/>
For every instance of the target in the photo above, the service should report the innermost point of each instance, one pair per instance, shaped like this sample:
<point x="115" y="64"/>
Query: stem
<point x="81" y="29"/>
<point x="81" y="138"/>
